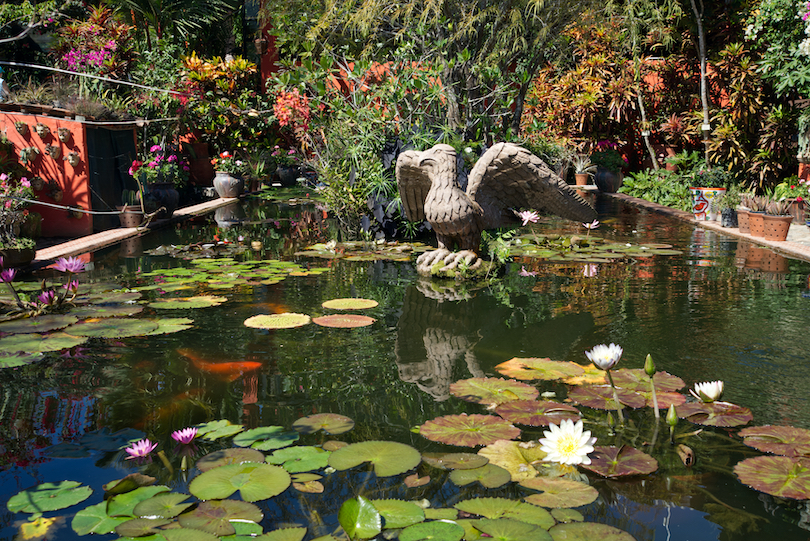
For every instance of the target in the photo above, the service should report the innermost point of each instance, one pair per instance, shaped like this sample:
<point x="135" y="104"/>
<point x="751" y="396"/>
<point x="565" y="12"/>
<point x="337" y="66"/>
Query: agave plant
<point x="778" y="208"/>
<point x="583" y="165"/>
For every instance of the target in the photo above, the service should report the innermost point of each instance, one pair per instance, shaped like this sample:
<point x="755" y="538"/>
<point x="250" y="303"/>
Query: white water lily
<point x="567" y="443"/>
<point x="708" y="391"/>
<point x="605" y="357"/>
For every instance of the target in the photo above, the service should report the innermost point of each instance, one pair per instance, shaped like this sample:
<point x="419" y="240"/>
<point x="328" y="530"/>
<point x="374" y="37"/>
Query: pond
<point x="719" y="309"/>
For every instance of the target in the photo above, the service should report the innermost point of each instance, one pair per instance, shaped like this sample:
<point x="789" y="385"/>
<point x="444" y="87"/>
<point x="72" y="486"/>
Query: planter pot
<point x="228" y="186"/>
<point x="582" y="178"/>
<point x="797" y="210"/>
<point x="22" y="223"/>
<point x="702" y="202"/>
<point x="288" y="176"/>
<point x="756" y="224"/>
<point x="130" y="216"/>
<point x="742" y="220"/>
<point x="776" y="227"/>
<point x="17" y="257"/>
<point x="131" y="247"/>
<point x="230" y="215"/>
<point x="728" y="218"/>
<point x="164" y="195"/>
<point x="607" y="180"/>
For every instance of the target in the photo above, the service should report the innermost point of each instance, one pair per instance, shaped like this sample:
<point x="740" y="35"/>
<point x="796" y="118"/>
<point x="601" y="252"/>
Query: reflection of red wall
<point x="74" y="181"/>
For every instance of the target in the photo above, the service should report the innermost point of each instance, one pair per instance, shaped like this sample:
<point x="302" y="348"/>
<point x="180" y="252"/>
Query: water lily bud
<point x="672" y="416"/>
<point x="610" y="421"/>
<point x="649" y="365"/>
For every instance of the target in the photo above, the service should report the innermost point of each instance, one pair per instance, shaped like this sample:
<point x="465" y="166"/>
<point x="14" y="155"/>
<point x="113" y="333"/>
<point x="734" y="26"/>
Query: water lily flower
<point x="47" y="297"/>
<point x="140" y="449"/>
<point x="524" y="272"/>
<point x="605" y="357"/>
<point x="69" y="264"/>
<point x="593" y="225"/>
<point x="567" y="443"/>
<point x="7" y="275"/>
<point x="708" y="391"/>
<point x="528" y="216"/>
<point x="590" y="270"/>
<point x="71" y="286"/>
<point x="185" y="436"/>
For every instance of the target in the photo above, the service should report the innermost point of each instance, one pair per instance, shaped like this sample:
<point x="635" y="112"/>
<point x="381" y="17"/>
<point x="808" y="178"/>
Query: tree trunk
<point x="704" y="86"/>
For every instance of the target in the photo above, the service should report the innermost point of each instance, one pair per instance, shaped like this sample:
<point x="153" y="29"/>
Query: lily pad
<point x="559" y="492"/>
<point x="253" y="481"/>
<point x="229" y="456"/>
<point x="286" y="320"/>
<point x="388" y="457"/>
<point x="349" y="304"/>
<point x="128" y="484"/>
<point x="124" y="504"/>
<point x="107" y="310"/>
<point x="779" y="440"/>
<point x="532" y="368"/>
<point x="468" y="430"/>
<point x="588" y="531"/>
<point x="39" y="343"/>
<point x="169" y="325"/>
<point x="715" y="414"/>
<point x="620" y="461"/>
<point x="344" y="321"/>
<point x="165" y="505"/>
<point x="283" y="534"/>
<point x="49" y="497"/>
<point x="495" y="508"/>
<point x="359" y="518"/>
<point x="780" y="476"/>
<point x="506" y="529"/>
<point x="432" y="531"/>
<point x="398" y="513"/>
<point x="300" y="458"/>
<point x="330" y="423"/>
<point x="459" y="461"/>
<point x="113" y="328"/>
<point x="516" y="457"/>
<point x="601" y="397"/>
<point x="12" y="360"/>
<point x="216" y="517"/>
<point x="489" y="475"/>
<point x="591" y="376"/>
<point x="139" y="527"/>
<point x="636" y="379"/>
<point x="266" y="438"/>
<point x="537" y="413"/>
<point x="414" y="480"/>
<point x="43" y="323"/>
<point x="183" y="303"/>
<point x="218" y="429"/>
<point x="94" y="519"/>
<point x="492" y="390"/>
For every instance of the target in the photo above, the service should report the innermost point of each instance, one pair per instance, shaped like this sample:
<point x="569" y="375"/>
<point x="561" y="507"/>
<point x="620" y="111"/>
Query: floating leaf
<point x="780" y="476"/>
<point x="359" y="518"/>
<point x="567" y="515"/>
<point x="107" y="310"/>
<point x="388" y="457"/>
<point x="215" y="517"/>
<point x="168" y="325"/>
<point x="266" y="438"/>
<point x="12" y="360"/>
<point x="414" y="481"/>
<point x="167" y="505"/>
<point x="432" y="531"/>
<point x="505" y="529"/>
<point x="113" y="328"/>
<point x="636" y="379"/>
<point x="531" y="368"/>
<point x="779" y="440"/>
<point x="229" y="456"/>
<point x="218" y="429"/>
<point x="459" y="461"/>
<point x="489" y="475"/>
<point x="468" y="430"/>
<point x="124" y="504"/>
<point x="398" y="513"/>
<point x="504" y="508"/>
<point x="253" y="481"/>
<point x="620" y="461"/>
<point x="601" y="397"/>
<point x="588" y="531"/>
<point x="287" y="320"/>
<point x="48" y="497"/>
<point x="183" y="303"/>
<point x="300" y="458"/>
<point x="139" y="527"/>
<point x="309" y="487"/>
<point x="94" y="519"/>
<point x="344" y="321"/>
<point x="39" y="343"/>
<point x="591" y="376"/>
<point x="516" y="457"/>
<point x="715" y="414"/>
<point x="283" y="534"/>
<point x="664" y="399"/>
<point x="349" y="304"/>
<point x="492" y="390"/>
<point x="559" y="492"/>
<point x="537" y="413"/>
<point x="331" y="423"/>
<point x="43" y="323"/>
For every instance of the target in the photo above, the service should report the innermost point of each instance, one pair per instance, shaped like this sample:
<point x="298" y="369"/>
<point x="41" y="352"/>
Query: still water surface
<point x="721" y="310"/>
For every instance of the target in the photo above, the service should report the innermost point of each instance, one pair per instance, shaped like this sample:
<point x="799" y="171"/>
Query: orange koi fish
<point x="227" y="371"/>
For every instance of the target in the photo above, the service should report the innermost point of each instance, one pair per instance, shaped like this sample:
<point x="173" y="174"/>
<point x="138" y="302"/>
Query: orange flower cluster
<point x="292" y="109"/>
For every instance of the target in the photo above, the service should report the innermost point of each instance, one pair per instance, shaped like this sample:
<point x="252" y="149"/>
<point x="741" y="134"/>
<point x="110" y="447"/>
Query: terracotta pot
<point x="582" y="178"/>
<point x="702" y="202"/>
<point x="776" y="227"/>
<point x="756" y="224"/>
<point x="130" y="217"/>
<point x="797" y="210"/>
<point x="228" y="186"/>
<point x="742" y="220"/>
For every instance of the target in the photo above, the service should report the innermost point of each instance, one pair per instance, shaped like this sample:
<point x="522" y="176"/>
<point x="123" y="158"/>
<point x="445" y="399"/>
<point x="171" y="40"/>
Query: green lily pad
<point x="567" y="515"/>
<point x="283" y="534"/>
<point x="139" y="527"/>
<point x="43" y="323"/>
<point x="359" y="518"/>
<point x="559" y="492"/>
<point x="218" y="429"/>
<point x="636" y="379"/>
<point x="216" y="517"/>
<point x="114" y="297"/>
<point x="537" y="413"/>
<point x="182" y="303"/>
<point x="715" y="414"/>
<point x="489" y="475"/>
<point x="124" y="504"/>
<point x="287" y="320"/>
<point x="49" y="497"/>
<point x="495" y="508"/>
<point x="94" y="519"/>
<point x="458" y="461"/>
<point x="113" y="328"/>
<point x="330" y="423"/>
<point x="432" y="531"/>
<point x="266" y="438"/>
<point x="601" y="397"/>
<point x="300" y="458"/>
<point x="588" y="531"/>
<point x="780" y="476"/>
<point x="515" y="457"/>
<point x="344" y="321"/>
<point x="531" y="368"/>
<point x="229" y="456"/>
<point x="506" y="529"/>
<point x="620" y="461"/>
<point x="12" y="360"/>
<point x="165" y="505"/>
<point x="468" y="430"/>
<point x="39" y="343"/>
<point x="398" y="513"/>
<point x="388" y="457"/>
<point x="349" y="304"/>
<point x="107" y="310"/>
<point x="778" y="440"/>
<point x="128" y="483"/>
<point x="169" y="325"/>
<point x="492" y="390"/>
<point x="253" y="481"/>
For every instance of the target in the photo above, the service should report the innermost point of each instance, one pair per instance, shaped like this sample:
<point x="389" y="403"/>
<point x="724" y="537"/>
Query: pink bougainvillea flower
<point x="186" y="435"/>
<point x="140" y="449"/>
<point x="69" y="264"/>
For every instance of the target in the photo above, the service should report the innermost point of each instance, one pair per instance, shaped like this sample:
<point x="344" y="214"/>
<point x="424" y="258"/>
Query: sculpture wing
<point x="509" y="177"/>
<point x="414" y="185"/>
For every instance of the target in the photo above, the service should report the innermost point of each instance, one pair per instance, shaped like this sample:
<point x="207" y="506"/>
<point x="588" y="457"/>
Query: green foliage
<point x="661" y="186"/>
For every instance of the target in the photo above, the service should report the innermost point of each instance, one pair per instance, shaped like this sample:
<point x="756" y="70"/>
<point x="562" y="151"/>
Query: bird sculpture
<point x="506" y="178"/>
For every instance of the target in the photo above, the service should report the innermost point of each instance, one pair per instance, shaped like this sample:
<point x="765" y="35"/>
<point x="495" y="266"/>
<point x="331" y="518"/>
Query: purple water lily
<point x="7" y="275"/>
<point x="140" y="449"/>
<point x="185" y="436"/>
<point x="69" y="264"/>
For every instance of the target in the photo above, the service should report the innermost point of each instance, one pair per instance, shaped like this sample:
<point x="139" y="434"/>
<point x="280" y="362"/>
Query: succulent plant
<point x="778" y="208"/>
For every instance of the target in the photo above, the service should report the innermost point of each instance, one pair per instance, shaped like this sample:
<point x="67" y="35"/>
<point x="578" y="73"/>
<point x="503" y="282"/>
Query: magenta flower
<point x="69" y="264"/>
<point x="7" y="275"/>
<point x="593" y="225"/>
<point x="140" y="449"/>
<point x="154" y="148"/>
<point x="47" y="297"/>
<point x="528" y="216"/>
<point x="186" y="435"/>
<point x="71" y="286"/>
<point x="524" y="272"/>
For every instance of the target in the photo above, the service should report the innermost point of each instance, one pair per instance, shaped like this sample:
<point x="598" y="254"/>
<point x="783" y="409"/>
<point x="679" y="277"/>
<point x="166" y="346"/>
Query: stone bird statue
<point x="506" y="178"/>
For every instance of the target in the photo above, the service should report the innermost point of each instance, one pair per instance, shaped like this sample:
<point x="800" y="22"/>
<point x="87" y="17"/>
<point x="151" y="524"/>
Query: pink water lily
<point x="593" y="225"/>
<point x="524" y="272"/>
<point x="69" y="264"/>
<point x="185" y="435"/>
<point x="7" y="275"/>
<point x="528" y="216"/>
<point x="47" y="297"/>
<point x="140" y="449"/>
